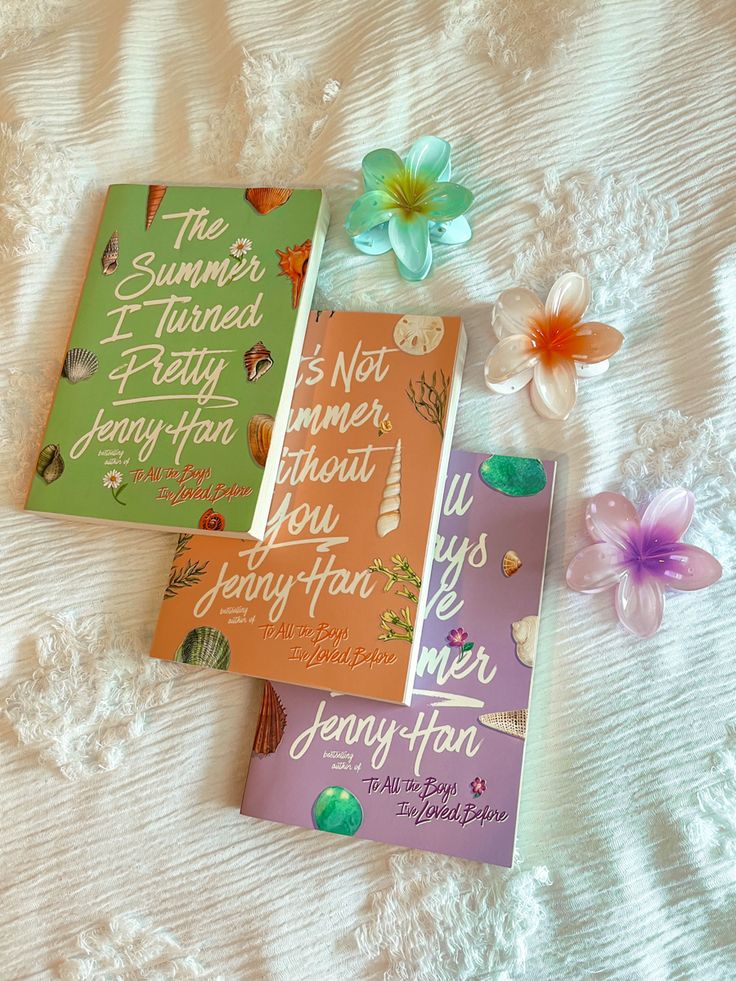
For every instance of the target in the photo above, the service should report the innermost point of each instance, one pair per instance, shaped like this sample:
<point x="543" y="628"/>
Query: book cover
<point x="445" y="773"/>
<point x="330" y="597"/>
<point x="186" y="338"/>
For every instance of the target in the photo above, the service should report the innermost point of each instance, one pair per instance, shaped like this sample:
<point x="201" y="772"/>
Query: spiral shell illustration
<point x="293" y="263"/>
<point x="79" y="364"/>
<point x="513" y="723"/>
<point x="155" y="197"/>
<point x="525" y="633"/>
<point x="211" y="521"/>
<point x="111" y="254"/>
<point x="257" y="361"/>
<point x="265" y="199"/>
<point x="271" y="722"/>
<point x="418" y="335"/>
<point x="50" y="463"/>
<point x="389" y="513"/>
<point x="260" y="427"/>
<point x="510" y="563"/>
<point x="206" y="647"/>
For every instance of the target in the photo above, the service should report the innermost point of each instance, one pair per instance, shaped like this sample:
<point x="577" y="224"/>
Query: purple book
<point x="443" y="774"/>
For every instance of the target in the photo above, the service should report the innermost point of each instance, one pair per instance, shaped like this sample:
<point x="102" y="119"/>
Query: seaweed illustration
<point x="429" y="398"/>
<point x="187" y="575"/>
<point x="403" y="580"/>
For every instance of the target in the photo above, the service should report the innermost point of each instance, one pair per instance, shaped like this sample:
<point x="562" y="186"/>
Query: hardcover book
<point x="444" y="774"/>
<point x="330" y="597"/>
<point x="187" y="336"/>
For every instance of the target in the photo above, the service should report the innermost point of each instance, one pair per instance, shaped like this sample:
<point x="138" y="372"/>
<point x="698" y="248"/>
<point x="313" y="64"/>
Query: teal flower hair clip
<point x="409" y="205"/>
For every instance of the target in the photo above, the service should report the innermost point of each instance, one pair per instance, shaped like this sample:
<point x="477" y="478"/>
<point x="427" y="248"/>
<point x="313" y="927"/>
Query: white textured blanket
<point x="597" y="136"/>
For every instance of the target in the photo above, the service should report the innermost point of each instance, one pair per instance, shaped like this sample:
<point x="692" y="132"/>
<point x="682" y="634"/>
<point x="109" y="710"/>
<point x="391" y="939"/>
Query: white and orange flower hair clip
<point x="548" y="345"/>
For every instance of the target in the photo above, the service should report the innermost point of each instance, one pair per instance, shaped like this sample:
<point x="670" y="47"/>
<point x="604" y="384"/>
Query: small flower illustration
<point x="548" y="345"/>
<point x="240" y="248"/>
<point x="408" y="205"/>
<point x="458" y="637"/>
<point x="113" y="481"/>
<point x="385" y="426"/>
<point x="641" y="556"/>
<point x="477" y="786"/>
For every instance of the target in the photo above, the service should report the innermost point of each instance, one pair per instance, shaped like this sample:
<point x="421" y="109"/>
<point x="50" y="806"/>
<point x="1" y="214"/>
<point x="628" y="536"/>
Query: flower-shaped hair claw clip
<point x="548" y="345"/>
<point x="409" y="205"/>
<point x="641" y="556"/>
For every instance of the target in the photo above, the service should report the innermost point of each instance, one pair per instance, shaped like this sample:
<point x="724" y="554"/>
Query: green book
<point x="175" y="388"/>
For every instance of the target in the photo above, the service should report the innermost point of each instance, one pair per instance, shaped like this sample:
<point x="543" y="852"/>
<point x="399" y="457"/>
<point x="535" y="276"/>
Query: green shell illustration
<point x="206" y="647"/>
<point x="513" y="475"/>
<point x="50" y="463"/>
<point x="338" y="811"/>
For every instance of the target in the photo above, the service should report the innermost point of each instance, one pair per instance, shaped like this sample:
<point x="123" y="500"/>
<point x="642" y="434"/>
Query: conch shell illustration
<point x="271" y="722"/>
<point x="513" y="723"/>
<point x="155" y="197"/>
<point x="293" y="263"/>
<point x="510" y="563"/>
<point x="206" y="647"/>
<point x="50" y="463"/>
<point x="389" y="513"/>
<point x="525" y="633"/>
<point x="418" y="335"/>
<point x="111" y="254"/>
<point x="265" y="199"/>
<point x="260" y="427"/>
<point x="79" y="364"/>
<point x="257" y="361"/>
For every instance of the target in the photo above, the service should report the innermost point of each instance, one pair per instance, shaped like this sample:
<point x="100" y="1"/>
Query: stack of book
<point x="386" y="588"/>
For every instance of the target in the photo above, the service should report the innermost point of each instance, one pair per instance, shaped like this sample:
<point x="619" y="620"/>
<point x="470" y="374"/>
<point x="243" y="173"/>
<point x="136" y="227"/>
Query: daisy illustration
<point x="240" y="248"/>
<point x="113" y="481"/>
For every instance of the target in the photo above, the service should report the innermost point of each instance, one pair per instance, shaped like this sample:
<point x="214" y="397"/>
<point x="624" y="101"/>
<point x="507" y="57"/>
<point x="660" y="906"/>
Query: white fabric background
<point x="643" y="90"/>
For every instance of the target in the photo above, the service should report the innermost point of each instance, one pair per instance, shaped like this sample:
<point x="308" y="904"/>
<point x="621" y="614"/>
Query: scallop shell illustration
<point x="50" y="463"/>
<point x="510" y="563"/>
<point x="265" y="199"/>
<point x="271" y="722"/>
<point x="206" y="647"/>
<point x="257" y="361"/>
<point x="418" y="335"/>
<point x="513" y="723"/>
<point x="155" y="197"/>
<point x="525" y="633"/>
<point x="293" y="263"/>
<point x="79" y="364"/>
<point x="111" y="254"/>
<point x="389" y="513"/>
<point x="260" y="427"/>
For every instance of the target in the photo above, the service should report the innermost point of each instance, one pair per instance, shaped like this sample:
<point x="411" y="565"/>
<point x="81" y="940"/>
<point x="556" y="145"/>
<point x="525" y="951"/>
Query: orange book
<point x="331" y="596"/>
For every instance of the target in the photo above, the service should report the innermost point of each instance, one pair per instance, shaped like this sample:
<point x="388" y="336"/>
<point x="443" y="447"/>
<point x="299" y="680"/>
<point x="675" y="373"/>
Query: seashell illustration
<point x="79" y="364"/>
<point x="257" y="361"/>
<point x="418" y="335"/>
<point x="260" y="427"/>
<point x="525" y="633"/>
<point x="155" y="197"/>
<point x="293" y="263"/>
<point x="271" y="722"/>
<point x="389" y="513"/>
<point x="111" y="254"/>
<point x="50" y="463"/>
<point x="211" y="521"/>
<point x="513" y="723"/>
<point x="510" y="563"/>
<point x="206" y="647"/>
<point x="265" y="199"/>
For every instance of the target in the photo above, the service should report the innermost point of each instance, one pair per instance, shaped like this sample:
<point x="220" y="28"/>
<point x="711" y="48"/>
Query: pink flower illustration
<point x="477" y="786"/>
<point x="641" y="556"/>
<point x="457" y="637"/>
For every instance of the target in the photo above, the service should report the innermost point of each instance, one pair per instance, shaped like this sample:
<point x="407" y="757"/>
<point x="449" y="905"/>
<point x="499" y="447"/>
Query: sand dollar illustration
<point x="418" y="335"/>
<point x="338" y="811"/>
